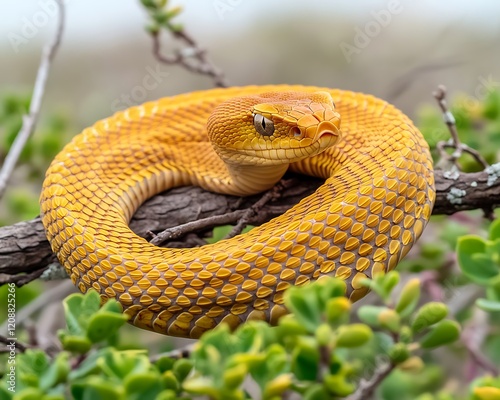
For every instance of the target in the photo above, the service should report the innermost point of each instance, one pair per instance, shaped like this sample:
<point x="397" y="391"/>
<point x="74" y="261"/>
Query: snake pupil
<point x="263" y="125"/>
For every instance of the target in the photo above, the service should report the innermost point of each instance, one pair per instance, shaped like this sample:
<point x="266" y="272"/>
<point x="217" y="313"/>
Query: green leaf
<point x="445" y="332"/>
<point x="488" y="305"/>
<point x="390" y="319"/>
<point x="96" y="388"/>
<point x="491" y="104"/>
<point x="329" y="288"/>
<point x="353" y="335"/>
<point x="56" y="373"/>
<point x="233" y="377"/>
<point x="74" y="343"/>
<point x="170" y="381"/>
<point x="494" y="231"/>
<point x="324" y="334"/>
<point x="429" y="314"/>
<point x="493" y="289"/>
<point x="201" y="385"/>
<point x="143" y="385"/>
<point x="308" y="303"/>
<point x="165" y="363"/>
<point x="289" y="326"/>
<point x="305" y="306"/>
<point x="473" y="261"/>
<point x="276" y="387"/>
<point x="316" y="392"/>
<point x="89" y="365"/>
<point x="408" y="300"/>
<point x="30" y="394"/>
<point x="337" y="310"/>
<point x="182" y="368"/>
<point x="119" y="364"/>
<point x="30" y="366"/>
<point x="486" y="393"/>
<point x="53" y="397"/>
<point x="389" y="282"/>
<point x="91" y="302"/>
<point x="72" y="310"/>
<point x="5" y="393"/>
<point x="274" y="363"/>
<point x="369" y="314"/>
<point x="413" y="364"/>
<point x="112" y="306"/>
<point x="405" y="334"/>
<point x="338" y="385"/>
<point x="104" y="324"/>
<point x="167" y="395"/>
<point x="305" y="360"/>
<point x="399" y="353"/>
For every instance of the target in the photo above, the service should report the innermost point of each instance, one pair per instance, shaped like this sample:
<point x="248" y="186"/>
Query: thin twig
<point x="366" y="388"/>
<point x="270" y="195"/>
<point x="204" y="223"/>
<point x="30" y="120"/>
<point x="183" y="57"/>
<point x="21" y="279"/>
<point x="454" y="142"/>
<point x="242" y="217"/>
<point x="17" y="345"/>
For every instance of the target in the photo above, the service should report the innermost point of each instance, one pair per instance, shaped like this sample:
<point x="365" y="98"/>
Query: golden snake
<point x="377" y="197"/>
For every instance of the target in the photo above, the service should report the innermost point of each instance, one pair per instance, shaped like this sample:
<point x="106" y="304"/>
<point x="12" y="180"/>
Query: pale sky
<point x="91" y="20"/>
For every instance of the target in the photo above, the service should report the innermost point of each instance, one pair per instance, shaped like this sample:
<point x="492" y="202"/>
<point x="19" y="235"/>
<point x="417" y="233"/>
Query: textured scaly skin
<point x="377" y="197"/>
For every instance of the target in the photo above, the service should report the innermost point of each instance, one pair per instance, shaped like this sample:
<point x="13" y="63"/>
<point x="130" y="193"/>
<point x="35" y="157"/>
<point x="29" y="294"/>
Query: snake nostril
<point x="295" y="131"/>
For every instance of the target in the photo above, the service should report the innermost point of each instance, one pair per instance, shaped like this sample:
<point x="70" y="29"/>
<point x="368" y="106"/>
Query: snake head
<point x="274" y="128"/>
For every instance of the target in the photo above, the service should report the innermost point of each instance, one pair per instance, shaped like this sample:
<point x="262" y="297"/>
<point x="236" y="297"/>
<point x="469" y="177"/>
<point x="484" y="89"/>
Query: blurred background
<point x="397" y="50"/>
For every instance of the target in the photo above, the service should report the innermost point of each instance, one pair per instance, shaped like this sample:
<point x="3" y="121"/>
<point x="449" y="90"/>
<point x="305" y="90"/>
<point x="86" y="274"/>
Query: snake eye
<point x="263" y="125"/>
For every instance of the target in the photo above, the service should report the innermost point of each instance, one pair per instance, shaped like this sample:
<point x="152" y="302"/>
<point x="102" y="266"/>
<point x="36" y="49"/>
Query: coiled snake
<point x="377" y="197"/>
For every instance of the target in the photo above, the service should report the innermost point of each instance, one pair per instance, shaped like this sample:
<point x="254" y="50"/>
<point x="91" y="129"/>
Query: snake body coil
<point x="374" y="204"/>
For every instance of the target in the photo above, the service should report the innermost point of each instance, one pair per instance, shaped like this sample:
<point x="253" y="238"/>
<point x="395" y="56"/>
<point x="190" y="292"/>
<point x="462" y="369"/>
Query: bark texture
<point x="25" y="252"/>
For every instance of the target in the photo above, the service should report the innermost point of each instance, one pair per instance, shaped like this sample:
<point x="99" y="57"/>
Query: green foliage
<point x="479" y="260"/>
<point x="486" y="388"/>
<point x="88" y="323"/>
<point x="162" y="15"/>
<point x="311" y="352"/>
<point x="405" y="324"/>
<point x="21" y="203"/>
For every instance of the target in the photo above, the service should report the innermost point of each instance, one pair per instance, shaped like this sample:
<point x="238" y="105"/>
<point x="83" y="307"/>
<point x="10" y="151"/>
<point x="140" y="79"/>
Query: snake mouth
<point x="327" y="134"/>
<point x="326" y="129"/>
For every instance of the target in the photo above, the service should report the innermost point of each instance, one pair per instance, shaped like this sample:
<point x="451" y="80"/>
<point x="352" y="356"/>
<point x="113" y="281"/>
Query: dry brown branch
<point x="454" y="142"/>
<point x="30" y="120"/>
<point x="24" y="249"/>
<point x="367" y="388"/>
<point x="192" y="58"/>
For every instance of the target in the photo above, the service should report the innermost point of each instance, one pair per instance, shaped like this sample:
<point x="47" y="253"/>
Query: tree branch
<point x="25" y="252"/>
<point x="367" y="388"/>
<point x="30" y="120"/>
